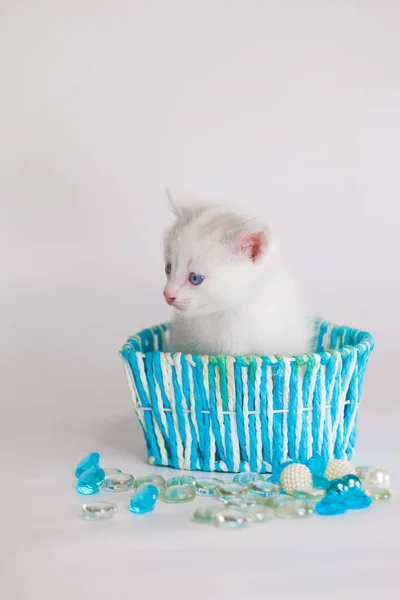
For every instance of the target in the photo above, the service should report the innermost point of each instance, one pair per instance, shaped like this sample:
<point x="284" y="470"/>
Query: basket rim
<point x="366" y="344"/>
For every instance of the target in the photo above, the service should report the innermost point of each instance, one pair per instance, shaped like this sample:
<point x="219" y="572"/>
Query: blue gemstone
<point x="144" y="499"/>
<point x="326" y="507"/>
<point x="352" y="481"/>
<point x="90" y="481"/>
<point x="337" y="488"/>
<point x="87" y="462"/>
<point x="316" y="465"/>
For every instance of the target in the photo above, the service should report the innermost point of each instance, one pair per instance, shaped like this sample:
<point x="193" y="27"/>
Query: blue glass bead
<point x="90" y="481"/>
<point x="316" y="465"/>
<point x="326" y="507"/>
<point x="352" y="481"/>
<point x="338" y="489"/>
<point x="87" y="462"/>
<point x="246" y="478"/>
<point x="144" y="499"/>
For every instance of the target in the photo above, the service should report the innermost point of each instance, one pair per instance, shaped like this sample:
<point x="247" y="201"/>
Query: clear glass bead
<point x="181" y="480"/>
<point x="311" y="494"/>
<point x="244" y="500"/>
<point x="177" y="494"/>
<point x="378" y="477"/>
<point x="293" y="509"/>
<point x="90" y="481"/>
<point x="377" y="493"/>
<point x="87" y="462"/>
<point x="118" y="482"/>
<point x="246" y="478"/>
<point x="111" y="471"/>
<point x="230" y="490"/>
<point x="156" y="480"/>
<point x="362" y="471"/>
<point x="259" y="513"/>
<point x="206" y="515"/>
<point x="267" y="489"/>
<point x="144" y="499"/>
<point x="206" y="486"/>
<point x="232" y="519"/>
<point x="99" y="510"/>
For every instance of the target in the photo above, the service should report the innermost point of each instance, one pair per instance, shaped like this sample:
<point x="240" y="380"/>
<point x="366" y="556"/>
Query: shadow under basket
<point x="232" y="414"/>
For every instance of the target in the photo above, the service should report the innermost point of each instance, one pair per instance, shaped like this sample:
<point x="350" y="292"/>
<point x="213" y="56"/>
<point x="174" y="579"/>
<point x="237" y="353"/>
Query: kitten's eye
<point x="168" y="268"/>
<point x="196" y="278"/>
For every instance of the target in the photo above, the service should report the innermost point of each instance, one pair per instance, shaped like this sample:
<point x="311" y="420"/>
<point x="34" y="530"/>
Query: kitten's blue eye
<point x="196" y="278"/>
<point x="168" y="268"/>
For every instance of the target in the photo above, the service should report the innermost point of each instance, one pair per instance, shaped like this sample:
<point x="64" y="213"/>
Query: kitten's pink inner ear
<point x="251" y="245"/>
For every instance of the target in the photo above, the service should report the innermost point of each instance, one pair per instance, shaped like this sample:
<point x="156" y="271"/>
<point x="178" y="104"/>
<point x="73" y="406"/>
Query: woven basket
<point x="219" y="413"/>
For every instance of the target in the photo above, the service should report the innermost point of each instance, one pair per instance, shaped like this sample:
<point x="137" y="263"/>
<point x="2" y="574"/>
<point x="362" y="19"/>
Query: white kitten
<point x="231" y="292"/>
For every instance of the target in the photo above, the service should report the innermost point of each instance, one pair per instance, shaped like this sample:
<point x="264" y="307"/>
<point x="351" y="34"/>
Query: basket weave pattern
<point x="221" y="413"/>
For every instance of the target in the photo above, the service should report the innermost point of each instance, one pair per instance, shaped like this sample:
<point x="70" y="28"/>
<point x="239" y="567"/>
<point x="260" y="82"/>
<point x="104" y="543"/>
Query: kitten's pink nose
<point x="169" y="299"/>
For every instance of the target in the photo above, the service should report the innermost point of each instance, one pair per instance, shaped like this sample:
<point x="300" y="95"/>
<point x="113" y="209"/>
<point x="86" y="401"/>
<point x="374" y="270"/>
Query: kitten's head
<point x="213" y="257"/>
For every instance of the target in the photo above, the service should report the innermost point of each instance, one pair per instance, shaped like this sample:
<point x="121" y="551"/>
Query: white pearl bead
<point x="339" y="467"/>
<point x="378" y="477"/>
<point x="296" y="477"/>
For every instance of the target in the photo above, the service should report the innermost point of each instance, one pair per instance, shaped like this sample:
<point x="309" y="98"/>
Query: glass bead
<point x="310" y="495"/>
<point x="144" y="499"/>
<point x="231" y="490"/>
<point x="232" y="519"/>
<point x="177" y="494"/>
<point x="206" y="486"/>
<point x="338" y="488"/>
<point x="248" y="499"/>
<point x="90" y="481"/>
<point x="156" y="480"/>
<point x="87" y="462"/>
<point x="206" y="514"/>
<point x="352" y="481"/>
<point x="362" y="471"/>
<point x="118" y="482"/>
<point x="259" y="513"/>
<point x="111" y="471"/>
<point x="326" y="507"/>
<point x="377" y="493"/>
<point x="293" y="509"/>
<point x="378" y="477"/>
<point x="99" y="510"/>
<point x="246" y="478"/>
<point x="267" y="489"/>
<point x="181" y="480"/>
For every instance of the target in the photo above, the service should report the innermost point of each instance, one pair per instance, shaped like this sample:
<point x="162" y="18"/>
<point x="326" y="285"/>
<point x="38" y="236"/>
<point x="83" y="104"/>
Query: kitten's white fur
<point x="248" y="302"/>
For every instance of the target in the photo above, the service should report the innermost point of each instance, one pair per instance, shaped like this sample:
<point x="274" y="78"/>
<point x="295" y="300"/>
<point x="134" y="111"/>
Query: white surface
<point x="291" y="107"/>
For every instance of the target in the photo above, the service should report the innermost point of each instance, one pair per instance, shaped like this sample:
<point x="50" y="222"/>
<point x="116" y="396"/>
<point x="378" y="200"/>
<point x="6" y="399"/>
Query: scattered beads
<point x="361" y="472"/>
<point x="144" y="499"/>
<point x="312" y="494"/>
<point x="377" y="493"/>
<point x="295" y="477"/>
<point x="227" y="490"/>
<point x="185" y="480"/>
<point x="177" y="494"/>
<point x="378" y="477"/>
<point x="259" y="513"/>
<point x="87" y="462"/>
<point x="118" y="482"/>
<point x="267" y="489"/>
<point x="99" y="510"/>
<point x="90" y="481"/>
<point x="287" y="507"/>
<point x="246" y="478"/>
<point x="339" y="467"/>
<point x="156" y="480"/>
<point x="109" y="471"/>
<point x="249" y="499"/>
<point x="207" y="486"/>
<point x="232" y="519"/>
<point x="206" y="514"/>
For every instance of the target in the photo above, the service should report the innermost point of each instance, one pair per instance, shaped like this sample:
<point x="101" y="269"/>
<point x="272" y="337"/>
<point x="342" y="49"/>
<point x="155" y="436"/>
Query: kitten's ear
<point x="251" y="240"/>
<point x="181" y="203"/>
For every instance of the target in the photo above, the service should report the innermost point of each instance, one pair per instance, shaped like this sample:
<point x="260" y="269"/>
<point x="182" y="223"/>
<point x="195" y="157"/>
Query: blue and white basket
<point x="220" y="413"/>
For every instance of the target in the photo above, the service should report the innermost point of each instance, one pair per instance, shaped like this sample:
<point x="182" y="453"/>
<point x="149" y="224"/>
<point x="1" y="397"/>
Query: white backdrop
<point x="289" y="107"/>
